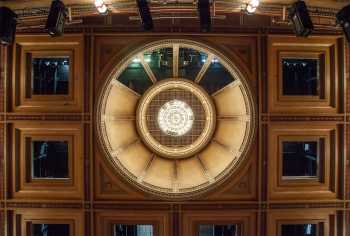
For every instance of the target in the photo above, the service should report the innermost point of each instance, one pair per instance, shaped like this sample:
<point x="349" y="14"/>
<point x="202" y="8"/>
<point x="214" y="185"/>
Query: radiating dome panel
<point x="175" y="118"/>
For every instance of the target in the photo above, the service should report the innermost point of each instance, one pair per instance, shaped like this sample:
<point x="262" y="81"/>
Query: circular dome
<point x="175" y="118"/>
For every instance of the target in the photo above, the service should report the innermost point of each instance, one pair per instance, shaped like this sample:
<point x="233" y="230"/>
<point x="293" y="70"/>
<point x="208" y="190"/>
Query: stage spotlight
<point x="56" y="19"/>
<point x="8" y="22"/>
<point x="343" y="19"/>
<point x="299" y="16"/>
<point x="145" y="14"/>
<point x="101" y="6"/>
<point x="204" y="15"/>
<point x="251" y="6"/>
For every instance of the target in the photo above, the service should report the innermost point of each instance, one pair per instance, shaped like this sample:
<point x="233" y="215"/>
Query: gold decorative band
<point x="204" y="136"/>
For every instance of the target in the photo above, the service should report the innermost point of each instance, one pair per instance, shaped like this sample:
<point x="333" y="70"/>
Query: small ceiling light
<point x="251" y="6"/>
<point x="343" y="19"/>
<point x="101" y="6"/>
<point x="136" y="60"/>
<point x="254" y="3"/>
<point x="299" y="16"/>
<point x="215" y="60"/>
<point x="56" y="19"/>
<point x="8" y="22"/>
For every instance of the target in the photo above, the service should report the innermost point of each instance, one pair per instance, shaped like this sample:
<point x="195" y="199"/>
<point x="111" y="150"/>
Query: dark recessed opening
<point x="217" y="230"/>
<point x="50" y="229"/>
<point x="50" y="76"/>
<point x="135" y="77"/>
<point x="133" y="230"/>
<point x="190" y="63"/>
<point x="216" y="77"/>
<point x="300" y="158"/>
<point x="161" y="62"/>
<point x="299" y="230"/>
<point x="50" y="159"/>
<point x="301" y="77"/>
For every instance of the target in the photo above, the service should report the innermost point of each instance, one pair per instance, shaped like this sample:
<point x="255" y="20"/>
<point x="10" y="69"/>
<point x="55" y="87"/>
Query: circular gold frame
<point x="175" y="192"/>
<point x="200" y="142"/>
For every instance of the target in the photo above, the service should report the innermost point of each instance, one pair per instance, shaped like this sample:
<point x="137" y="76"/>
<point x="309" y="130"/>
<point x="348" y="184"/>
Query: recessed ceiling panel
<point x="175" y="118"/>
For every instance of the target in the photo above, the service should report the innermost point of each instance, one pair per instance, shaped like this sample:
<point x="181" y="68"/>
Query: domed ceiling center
<point x="175" y="118"/>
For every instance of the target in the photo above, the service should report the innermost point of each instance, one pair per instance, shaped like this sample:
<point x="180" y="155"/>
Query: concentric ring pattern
<point x="185" y="128"/>
<point x="175" y="118"/>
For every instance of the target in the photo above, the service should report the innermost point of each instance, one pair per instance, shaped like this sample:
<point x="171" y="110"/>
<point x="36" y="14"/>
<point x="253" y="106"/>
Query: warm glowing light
<point x="175" y="118"/>
<point x="250" y="9"/>
<point x="136" y="60"/>
<point x="254" y="3"/>
<point x="101" y="6"/>
<point x="102" y="9"/>
<point x="99" y="3"/>
<point x="215" y="60"/>
<point x="252" y="6"/>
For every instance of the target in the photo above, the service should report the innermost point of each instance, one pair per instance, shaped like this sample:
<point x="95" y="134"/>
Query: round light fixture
<point x="175" y="118"/>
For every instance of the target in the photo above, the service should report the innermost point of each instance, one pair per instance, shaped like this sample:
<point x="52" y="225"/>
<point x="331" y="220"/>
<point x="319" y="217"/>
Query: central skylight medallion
<point x="175" y="118"/>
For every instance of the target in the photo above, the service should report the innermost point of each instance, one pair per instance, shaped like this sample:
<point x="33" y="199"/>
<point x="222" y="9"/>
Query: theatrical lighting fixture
<point x="343" y="19"/>
<point x="56" y="19"/>
<point x="101" y="6"/>
<point x="300" y="18"/>
<point x="145" y="14"/>
<point x="204" y="15"/>
<point x="251" y="6"/>
<point x="8" y="22"/>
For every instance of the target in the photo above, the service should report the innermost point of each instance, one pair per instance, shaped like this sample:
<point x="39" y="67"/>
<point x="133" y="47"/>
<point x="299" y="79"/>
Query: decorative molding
<point x="319" y="205"/>
<point x="159" y="219"/>
<point x="246" y="219"/>
<point x="104" y="190"/>
<point x="325" y="217"/>
<point x="245" y="52"/>
<point x="22" y="218"/>
<point x="2" y="162"/>
<point x="44" y="117"/>
<point x="22" y="187"/>
<point x="327" y="184"/>
<point x="304" y="118"/>
<point x="220" y="206"/>
<point x="107" y="135"/>
<point x="245" y="185"/>
<point x="68" y="205"/>
<point x="133" y="206"/>
<point x="26" y="48"/>
<point x="325" y="49"/>
<point x="108" y="186"/>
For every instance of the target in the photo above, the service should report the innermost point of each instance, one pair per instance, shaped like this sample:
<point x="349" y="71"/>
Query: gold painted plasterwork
<point x="218" y="152"/>
<point x="202" y="137"/>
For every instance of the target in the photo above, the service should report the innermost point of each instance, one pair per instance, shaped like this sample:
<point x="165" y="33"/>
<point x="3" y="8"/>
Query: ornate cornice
<point x="165" y="10"/>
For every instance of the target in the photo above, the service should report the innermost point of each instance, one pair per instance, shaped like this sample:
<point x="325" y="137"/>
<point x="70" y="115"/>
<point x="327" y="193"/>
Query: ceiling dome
<point x="175" y="118"/>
